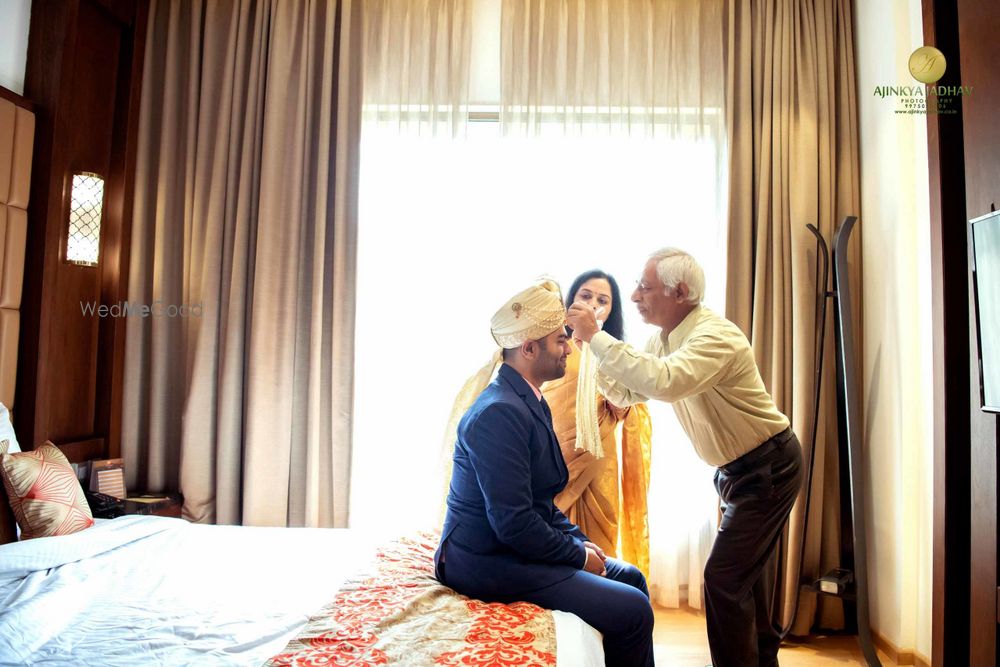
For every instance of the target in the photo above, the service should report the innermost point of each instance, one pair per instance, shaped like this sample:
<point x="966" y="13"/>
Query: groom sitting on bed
<point x="503" y="539"/>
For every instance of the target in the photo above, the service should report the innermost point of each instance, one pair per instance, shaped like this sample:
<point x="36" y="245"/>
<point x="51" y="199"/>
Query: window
<point x="449" y="229"/>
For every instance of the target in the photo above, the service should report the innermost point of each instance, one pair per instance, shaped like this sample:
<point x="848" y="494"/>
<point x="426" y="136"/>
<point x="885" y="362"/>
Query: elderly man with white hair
<point x="703" y="365"/>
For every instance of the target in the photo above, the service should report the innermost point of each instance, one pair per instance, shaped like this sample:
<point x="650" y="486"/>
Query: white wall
<point x="897" y="387"/>
<point x="14" y="16"/>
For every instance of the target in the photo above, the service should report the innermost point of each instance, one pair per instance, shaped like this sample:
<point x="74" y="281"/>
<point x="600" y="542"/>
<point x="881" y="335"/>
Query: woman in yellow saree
<point x="609" y="512"/>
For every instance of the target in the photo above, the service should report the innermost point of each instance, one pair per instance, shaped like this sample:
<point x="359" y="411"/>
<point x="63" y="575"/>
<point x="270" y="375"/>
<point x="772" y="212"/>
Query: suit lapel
<point x="520" y="386"/>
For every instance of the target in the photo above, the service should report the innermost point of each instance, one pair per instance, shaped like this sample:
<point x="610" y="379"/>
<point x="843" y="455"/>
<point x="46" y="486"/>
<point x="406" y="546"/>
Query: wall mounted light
<point x="83" y="239"/>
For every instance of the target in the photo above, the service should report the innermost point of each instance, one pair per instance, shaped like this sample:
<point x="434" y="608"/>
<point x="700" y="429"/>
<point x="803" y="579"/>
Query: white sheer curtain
<point x="608" y="65"/>
<point x="452" y="224"/>
<point x="417" y="61"/>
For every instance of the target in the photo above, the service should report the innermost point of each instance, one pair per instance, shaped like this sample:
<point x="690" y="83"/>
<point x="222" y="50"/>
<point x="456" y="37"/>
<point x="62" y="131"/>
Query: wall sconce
<point x="83" y="240"/>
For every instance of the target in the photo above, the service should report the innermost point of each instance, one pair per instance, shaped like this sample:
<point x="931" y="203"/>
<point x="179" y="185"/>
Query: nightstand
<point x="159" y="504"/>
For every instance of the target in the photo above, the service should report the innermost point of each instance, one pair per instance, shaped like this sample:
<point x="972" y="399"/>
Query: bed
<point x="153" y="590"/>
<point x="157" y="590"/>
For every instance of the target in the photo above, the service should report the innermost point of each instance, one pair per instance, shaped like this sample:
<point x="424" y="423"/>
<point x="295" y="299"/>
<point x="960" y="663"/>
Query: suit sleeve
<point x="498" y="446"/>
<point x="567" y="527"/>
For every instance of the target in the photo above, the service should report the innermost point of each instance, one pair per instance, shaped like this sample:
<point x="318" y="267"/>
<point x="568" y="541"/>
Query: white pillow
<point x="7" y="433"/>
<point x="7" y="430"/>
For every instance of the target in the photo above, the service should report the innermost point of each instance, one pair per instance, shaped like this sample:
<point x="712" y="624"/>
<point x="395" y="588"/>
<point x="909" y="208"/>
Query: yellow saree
<point x="592" y="499"/>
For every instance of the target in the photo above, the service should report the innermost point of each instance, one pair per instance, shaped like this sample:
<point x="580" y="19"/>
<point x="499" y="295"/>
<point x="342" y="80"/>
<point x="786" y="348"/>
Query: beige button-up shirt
<point x="705" y="368"/>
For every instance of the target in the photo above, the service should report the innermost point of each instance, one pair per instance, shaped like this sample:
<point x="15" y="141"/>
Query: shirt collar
<point x="681" y="331"/>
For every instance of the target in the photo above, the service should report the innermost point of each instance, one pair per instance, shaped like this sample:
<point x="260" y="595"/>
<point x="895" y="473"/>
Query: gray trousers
<point x="757" y="492"/>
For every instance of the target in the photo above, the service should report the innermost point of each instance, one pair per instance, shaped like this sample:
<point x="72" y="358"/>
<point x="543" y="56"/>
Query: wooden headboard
<point x="17" y="136"/>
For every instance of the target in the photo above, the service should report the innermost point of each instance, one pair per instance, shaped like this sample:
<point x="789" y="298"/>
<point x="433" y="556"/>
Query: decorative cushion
<point x="44" y="492"/>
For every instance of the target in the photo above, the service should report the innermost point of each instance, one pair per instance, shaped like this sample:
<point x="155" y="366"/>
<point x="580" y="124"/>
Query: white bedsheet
<point x="156" y="591"/>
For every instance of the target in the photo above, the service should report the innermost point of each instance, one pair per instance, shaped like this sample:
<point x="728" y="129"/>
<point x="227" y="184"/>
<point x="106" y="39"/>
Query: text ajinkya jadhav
<point x="923" y="91"/>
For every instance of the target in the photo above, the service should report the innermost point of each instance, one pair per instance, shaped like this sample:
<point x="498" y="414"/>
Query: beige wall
<point x="897" y="390"/>
<point x="14" y="16"/>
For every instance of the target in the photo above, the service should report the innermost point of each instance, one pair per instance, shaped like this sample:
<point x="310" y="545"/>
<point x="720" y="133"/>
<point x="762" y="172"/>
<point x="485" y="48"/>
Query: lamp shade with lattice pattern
<point x="83" y="241"/>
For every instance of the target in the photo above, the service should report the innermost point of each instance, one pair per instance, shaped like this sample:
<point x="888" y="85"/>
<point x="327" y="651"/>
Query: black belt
<point x="746" y="462"/>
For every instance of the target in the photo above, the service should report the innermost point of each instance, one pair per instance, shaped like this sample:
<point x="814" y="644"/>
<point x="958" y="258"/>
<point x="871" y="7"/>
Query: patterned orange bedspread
<point x="399" y="614"/>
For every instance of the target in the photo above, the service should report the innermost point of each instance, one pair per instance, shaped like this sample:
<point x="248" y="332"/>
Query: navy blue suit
<point x="504" y="539"/>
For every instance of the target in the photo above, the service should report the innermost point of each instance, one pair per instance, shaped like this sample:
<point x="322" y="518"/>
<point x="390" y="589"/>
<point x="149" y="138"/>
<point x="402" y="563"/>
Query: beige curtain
<point x="416" y="71"/>
<point x="602" y="65"/>
<point x="245" y="209"/>
<point x="791" y="116"/>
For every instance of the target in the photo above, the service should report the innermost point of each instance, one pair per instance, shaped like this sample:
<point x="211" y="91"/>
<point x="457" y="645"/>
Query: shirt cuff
<point x="583" y="554"/>
<point x="601" y="343"/>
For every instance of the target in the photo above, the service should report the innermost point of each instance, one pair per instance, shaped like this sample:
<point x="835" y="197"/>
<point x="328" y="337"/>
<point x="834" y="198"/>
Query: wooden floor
<point x="680" y="641"/>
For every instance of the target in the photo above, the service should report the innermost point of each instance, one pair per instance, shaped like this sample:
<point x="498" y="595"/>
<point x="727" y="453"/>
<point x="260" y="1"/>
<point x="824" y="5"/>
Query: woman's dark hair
<point x="614" y="325"/>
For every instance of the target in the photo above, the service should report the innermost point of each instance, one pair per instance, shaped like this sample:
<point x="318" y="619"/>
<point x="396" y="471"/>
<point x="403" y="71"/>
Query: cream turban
<point x="529" y="315"/>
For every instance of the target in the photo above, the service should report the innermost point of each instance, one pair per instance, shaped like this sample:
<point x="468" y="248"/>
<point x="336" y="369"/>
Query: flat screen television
<point x="986" y="282"/>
